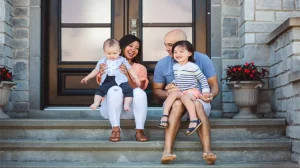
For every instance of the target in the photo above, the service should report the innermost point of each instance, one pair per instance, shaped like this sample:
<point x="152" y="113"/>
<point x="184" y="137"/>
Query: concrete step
<point x="146" y="165"/>
<point x="250" y="151"/>
<point x="93" y="129"/>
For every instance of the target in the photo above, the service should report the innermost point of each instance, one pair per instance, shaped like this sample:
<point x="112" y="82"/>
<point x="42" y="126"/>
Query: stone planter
<point x="4" y="96"/>
<point x="245" y="96"/>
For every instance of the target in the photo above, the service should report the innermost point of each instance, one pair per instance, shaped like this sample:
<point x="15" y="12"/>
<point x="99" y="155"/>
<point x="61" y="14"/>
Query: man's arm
<point x="214" y="86"/>
<point x="158" y="90"/>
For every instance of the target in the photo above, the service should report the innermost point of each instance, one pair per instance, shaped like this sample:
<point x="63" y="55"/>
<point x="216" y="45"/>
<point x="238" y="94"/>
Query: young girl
<point x="112" y="76"/>
<point x="188" y="78"/>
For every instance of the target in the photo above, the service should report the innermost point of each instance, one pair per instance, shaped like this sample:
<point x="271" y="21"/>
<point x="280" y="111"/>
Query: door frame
<point x="122" y="21"/>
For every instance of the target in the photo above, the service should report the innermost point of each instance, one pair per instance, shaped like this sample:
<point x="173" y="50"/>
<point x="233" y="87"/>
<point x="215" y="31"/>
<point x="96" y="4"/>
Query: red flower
<point x="5" y="75"/>
<point x="247" y="71"/>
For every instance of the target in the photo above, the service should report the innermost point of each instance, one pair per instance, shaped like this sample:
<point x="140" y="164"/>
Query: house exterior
<point x="49" y="45"/>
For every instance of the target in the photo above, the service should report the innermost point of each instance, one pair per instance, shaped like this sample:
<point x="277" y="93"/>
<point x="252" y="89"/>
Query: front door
<point x="74" y="31"/>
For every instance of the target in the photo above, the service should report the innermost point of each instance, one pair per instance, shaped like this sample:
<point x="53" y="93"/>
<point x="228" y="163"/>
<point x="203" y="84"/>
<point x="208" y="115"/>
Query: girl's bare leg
<point x="188" y="101"/>
<point x="169" y="102"/>
<point x="97" y="101"/>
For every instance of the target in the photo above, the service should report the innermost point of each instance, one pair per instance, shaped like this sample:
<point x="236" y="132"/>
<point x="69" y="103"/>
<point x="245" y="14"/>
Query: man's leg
<point x="175" y="115"/>
<point x="204" y="132"/>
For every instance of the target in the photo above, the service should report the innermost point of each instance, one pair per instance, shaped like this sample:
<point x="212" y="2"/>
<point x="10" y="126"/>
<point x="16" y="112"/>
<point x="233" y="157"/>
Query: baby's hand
<point x="85" y="80"/>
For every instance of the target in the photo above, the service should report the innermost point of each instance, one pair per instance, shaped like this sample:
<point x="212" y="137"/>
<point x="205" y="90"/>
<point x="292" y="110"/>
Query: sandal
<point x="193" y="129"/>
<point x="210" y="158"/>
<point x="115" y="136"/>
<point x="139" y="136"/>
<point x="163" y="124"/>
<point x="166" y="159"/>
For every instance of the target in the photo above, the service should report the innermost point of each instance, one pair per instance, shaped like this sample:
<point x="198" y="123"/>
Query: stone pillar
<point x="230" y="50"/>
<point x="20" y="45"/>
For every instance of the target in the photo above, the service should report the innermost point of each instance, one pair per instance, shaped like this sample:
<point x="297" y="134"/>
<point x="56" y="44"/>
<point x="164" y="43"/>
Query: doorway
<point x="74" y="31"/>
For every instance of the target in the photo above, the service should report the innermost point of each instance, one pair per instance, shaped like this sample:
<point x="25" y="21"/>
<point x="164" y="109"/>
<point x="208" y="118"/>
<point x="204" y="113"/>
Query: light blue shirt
<point x="113" y="69"/>
<point x="164" y="73"/>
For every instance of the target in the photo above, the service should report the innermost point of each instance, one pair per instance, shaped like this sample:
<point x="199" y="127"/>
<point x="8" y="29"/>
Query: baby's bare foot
<point x="126" y="107"/>
<point x="94" y="106"/>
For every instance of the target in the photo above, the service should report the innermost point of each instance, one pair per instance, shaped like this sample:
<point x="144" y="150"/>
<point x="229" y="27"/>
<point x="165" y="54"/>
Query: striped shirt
<point x="189" y="76"/>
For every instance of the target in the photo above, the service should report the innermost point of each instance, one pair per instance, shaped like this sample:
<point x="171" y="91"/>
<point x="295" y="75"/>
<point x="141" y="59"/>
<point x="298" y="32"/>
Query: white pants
<point x="112" y="107"/>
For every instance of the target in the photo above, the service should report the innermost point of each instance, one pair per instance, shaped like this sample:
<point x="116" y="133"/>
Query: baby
<point x="112" y="76"/>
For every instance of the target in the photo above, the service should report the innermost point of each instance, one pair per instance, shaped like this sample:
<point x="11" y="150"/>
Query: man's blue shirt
<point x="164" y="73"/>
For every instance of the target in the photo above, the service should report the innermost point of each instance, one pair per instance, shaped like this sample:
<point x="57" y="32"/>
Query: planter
<point x="245" y="96"/>
<point x="4" y="96"/>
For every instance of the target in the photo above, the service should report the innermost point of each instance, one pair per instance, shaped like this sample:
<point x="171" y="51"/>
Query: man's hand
<point x="206" y="97"/>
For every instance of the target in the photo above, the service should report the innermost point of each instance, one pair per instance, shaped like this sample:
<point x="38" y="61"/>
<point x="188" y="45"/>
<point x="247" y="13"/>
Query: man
<point x="163" y="75"/>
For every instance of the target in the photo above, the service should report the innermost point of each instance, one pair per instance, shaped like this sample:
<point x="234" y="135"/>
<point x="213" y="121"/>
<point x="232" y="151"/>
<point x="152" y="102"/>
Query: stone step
<point x="146" y="165"/>
<point x="250" y="151"/>
<point x="93" y="129"/>
<point x="85" y="112"/>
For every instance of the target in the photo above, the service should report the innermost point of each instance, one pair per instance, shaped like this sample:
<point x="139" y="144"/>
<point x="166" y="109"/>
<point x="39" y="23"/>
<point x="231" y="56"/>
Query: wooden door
<point x="74" y="31"/>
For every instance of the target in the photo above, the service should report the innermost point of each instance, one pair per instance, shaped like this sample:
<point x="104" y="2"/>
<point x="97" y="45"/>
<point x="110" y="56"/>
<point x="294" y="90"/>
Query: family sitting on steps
<point x="185" y="79"/>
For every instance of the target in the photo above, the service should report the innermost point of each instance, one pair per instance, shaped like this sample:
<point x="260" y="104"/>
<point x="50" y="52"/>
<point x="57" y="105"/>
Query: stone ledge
<point x="78" y="145"/>
<point x="289" y="23"/>
<point x="294" y="77"/>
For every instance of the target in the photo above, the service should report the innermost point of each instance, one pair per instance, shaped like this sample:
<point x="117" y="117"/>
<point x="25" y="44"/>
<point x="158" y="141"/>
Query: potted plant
<point x="245" y="80"/>
<point x="5" y="84"/>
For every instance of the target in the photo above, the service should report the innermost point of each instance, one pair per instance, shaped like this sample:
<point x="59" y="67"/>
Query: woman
<point x="111" y="107"/>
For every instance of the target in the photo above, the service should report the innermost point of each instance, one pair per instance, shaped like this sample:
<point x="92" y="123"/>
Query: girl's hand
<point x="102" y="68"/>
<point x="85" y="80"/>
<point x="123" y="70"/>
<point x="170" y="86"/>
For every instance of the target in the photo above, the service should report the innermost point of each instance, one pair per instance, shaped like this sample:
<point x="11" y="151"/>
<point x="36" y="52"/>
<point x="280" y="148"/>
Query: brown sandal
<point x="139" y="136"/>
<point x="115" y="136"/>
<point x="209" y="157"/>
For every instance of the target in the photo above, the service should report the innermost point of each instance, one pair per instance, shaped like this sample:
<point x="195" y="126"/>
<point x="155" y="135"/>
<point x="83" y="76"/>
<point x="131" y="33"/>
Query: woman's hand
<point x="124" y="70"/>
<point x="102" y="68"/>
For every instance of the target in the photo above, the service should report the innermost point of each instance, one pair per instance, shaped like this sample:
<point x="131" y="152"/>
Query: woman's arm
<point x="124" y="70"/>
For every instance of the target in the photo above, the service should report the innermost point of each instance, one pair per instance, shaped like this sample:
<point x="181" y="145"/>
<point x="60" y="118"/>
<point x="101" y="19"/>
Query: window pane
<point x="167" y="11"/>
<point x="83" y="44"/>
<point x="86" y="11"/>
<point x="153" y="41"/>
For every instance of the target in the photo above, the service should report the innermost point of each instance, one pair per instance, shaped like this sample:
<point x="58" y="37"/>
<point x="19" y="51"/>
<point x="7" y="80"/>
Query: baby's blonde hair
<point x="111" y="42"/>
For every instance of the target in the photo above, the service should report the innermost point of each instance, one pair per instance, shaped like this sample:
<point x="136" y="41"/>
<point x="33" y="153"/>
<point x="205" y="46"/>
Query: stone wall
<point x="258" y="18"/>
<point x="14" y="27"/>
<point x="230" y="49"/>
<point x="284" y="45"/>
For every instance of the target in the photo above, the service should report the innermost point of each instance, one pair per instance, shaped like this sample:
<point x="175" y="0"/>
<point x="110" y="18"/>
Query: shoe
<point x="163" y="124"/>
<point x="140" y="136"/>
<point x="115" y="136"/>
<point x="191" y="130"/>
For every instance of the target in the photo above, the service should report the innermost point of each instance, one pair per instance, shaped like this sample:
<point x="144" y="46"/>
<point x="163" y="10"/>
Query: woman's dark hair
<point x="187" y="45"/>
<point x="126" y="41"/>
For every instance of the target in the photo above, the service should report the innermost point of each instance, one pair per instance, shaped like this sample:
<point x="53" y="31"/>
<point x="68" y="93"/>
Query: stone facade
<point x="285" y="78"/>
<point x="230" y="49"/>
